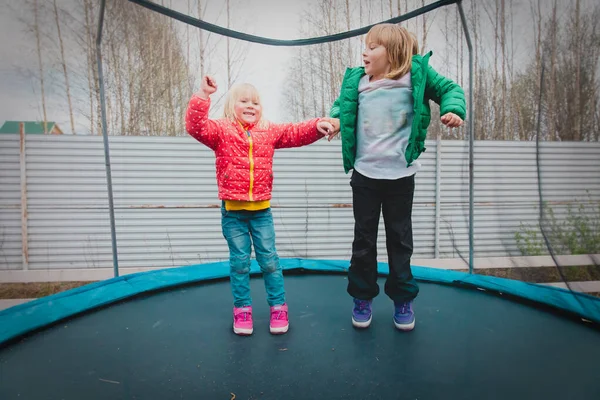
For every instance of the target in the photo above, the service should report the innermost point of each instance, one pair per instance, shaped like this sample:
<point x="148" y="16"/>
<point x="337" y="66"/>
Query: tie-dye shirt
<point x="385" y="114"/>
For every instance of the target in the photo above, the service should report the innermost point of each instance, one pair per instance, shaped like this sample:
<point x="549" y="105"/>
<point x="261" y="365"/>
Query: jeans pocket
<point x="358" y="180"/>
<point x="353" y="178"/>
<point x="224" y="211"/>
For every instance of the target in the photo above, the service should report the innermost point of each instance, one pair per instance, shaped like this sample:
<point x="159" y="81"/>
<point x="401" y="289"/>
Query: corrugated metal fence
<point x="167" y="212"/>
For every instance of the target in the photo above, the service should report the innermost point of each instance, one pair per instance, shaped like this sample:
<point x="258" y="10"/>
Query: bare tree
<point x="503" y="133"/>
<point x="424" y="37"/>
<point x="64" y="65"/>
<point x="553" y="31"/>
<point x="578" y="102"/>
<point x="228" y="51"/>
<point x="570" y="102"/>
<point x="36" y="27"/>
<point x="327" y="68"/>
<point x="152" y="64"/>
<point x="348" y="27"/>
<point x="201" y="44"/>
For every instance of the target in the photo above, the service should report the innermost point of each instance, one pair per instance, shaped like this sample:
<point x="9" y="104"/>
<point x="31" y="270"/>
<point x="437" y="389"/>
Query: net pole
<point x="111" y="207"/>
<point x="470" y="131"/>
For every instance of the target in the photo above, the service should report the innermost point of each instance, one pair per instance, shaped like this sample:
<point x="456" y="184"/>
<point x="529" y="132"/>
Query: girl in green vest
<point x="383" y="111"/>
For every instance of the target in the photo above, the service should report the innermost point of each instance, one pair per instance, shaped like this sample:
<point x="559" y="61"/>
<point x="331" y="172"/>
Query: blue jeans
<point x="242" y="229"/>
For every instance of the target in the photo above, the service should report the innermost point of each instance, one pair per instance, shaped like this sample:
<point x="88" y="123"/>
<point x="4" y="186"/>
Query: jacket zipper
<point x="251" y="165"/>
<point x="420" y="95"/>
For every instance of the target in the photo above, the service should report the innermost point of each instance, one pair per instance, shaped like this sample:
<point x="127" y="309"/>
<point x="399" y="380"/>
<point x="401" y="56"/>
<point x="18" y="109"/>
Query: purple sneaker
<point x="361" y="314"/>
<point x="404" y="317"/>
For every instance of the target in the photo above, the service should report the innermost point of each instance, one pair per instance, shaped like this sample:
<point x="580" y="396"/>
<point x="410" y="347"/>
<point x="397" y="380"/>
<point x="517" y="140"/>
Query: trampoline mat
<point x="179" y="344"/>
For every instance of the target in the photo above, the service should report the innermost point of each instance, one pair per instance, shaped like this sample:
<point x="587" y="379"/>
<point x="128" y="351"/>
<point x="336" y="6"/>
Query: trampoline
<point x="167" y="335"/>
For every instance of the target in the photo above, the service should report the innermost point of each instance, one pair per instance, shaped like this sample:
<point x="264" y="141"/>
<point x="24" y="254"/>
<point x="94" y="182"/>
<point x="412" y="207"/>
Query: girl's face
<point x="376" y="61"/>
<point x="247" y="109"/>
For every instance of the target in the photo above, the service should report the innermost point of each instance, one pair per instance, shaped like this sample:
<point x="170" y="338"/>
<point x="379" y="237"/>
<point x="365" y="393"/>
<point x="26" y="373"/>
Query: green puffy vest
<point x="427" y="85"/>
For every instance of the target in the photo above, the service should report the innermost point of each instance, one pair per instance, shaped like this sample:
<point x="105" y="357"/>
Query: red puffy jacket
<point x="244" y="160"/>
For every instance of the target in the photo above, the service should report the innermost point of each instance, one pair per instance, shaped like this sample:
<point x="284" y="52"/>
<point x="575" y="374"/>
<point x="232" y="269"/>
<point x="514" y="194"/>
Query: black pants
<point x="395" y="197"/>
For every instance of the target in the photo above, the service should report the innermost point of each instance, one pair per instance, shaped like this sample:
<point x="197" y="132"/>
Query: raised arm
<point x="197" y="123"/>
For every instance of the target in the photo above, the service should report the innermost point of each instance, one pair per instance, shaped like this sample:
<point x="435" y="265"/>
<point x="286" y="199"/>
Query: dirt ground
<point x="545" y="274"/>
<point x="35" y="290"/>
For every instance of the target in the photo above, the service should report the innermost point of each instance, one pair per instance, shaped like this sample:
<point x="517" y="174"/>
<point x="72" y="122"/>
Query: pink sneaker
<point x="242" y="320"/>
<point x="279" y="319"/>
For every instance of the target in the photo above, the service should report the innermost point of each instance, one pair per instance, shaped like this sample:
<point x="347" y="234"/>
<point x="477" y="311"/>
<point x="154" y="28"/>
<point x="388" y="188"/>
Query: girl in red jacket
<point x="244" y="145"/>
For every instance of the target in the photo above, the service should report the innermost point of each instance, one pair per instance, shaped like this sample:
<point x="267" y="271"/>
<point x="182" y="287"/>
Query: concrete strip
<point x="585" y="287"/>
<point x="8" y="303"/>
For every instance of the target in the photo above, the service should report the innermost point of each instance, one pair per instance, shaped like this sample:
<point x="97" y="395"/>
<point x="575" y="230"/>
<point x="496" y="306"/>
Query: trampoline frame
<point x="27" y="318"/>
<point x="35" y="315"/>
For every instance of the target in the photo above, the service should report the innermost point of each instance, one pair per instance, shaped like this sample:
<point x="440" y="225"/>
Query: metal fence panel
<point x="167" y="211"/>
<point x="10" y="203"/>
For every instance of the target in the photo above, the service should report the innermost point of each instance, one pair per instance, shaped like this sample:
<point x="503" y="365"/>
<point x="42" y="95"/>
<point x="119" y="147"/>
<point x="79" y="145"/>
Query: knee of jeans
<point x="240" y="264"/>
<point x="365" y="254"/>
<point x="269" y="263"/>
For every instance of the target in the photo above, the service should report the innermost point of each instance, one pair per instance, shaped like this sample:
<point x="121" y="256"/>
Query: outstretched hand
<point x="331" y="127"/>
<point x="451" y="120"/>
<point x="325" y="128"/>
<point x="208" y="86"/>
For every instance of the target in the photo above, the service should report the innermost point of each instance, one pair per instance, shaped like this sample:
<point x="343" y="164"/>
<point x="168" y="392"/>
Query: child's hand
<point x="208" y="86"/>
<point x="334" y="123"/>
<point x="325" y="128"/>
<point x="451" y="120"/>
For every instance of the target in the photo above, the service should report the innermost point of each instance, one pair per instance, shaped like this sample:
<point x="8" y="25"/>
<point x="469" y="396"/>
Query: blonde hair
<point x="234" y="94"/>
<point x="400" y="45"/>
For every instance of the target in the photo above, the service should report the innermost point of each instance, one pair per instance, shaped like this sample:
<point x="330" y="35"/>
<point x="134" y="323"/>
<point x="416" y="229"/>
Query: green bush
<point x="578" y="233"/>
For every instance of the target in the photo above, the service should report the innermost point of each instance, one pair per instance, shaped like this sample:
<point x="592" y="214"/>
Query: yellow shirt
<point x="237" y="205"/>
